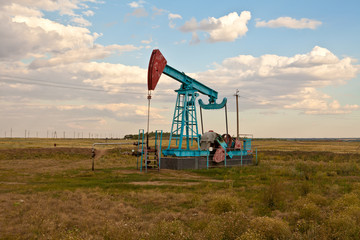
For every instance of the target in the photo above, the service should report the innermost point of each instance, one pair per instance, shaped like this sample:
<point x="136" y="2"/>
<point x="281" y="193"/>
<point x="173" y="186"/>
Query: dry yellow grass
<point x="48" y="193"/>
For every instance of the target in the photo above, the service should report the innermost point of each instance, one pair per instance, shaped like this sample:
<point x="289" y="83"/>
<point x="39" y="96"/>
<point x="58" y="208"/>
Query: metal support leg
<point x="207" y="159"/>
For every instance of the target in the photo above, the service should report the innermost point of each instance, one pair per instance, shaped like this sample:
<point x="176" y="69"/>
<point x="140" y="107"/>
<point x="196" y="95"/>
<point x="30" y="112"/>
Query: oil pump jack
<point x="210" y="149"/>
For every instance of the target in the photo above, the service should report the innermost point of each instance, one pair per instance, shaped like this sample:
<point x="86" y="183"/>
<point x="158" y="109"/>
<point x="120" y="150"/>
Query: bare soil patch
<point x="37" y="152"/>
<point x="161" y="183"/>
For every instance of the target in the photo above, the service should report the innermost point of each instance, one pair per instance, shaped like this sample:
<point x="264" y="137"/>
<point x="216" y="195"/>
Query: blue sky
<point x="79" y="66"/>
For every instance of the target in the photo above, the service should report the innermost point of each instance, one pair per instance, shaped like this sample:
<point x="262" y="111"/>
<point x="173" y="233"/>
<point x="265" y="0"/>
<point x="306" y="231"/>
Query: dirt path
<point x="99" y="153"/>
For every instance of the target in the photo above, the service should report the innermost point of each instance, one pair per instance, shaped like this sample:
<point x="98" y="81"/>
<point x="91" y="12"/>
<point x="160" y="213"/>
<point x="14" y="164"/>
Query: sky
<point x="79" y="67"/>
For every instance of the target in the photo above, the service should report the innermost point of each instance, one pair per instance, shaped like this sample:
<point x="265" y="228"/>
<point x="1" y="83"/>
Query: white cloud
<point x="49" y="43"/>
<point x="286" y="82"/>
<point x="315" y="102"/>
<point x="88" y="13"/>
<point x="40" y="36"/>
<point x="194" y="39"/>
<point x="51" y="71"/>
<point x="174" y="16"/>
<point x="119" y="109"/>
<point x="64" y="7"/>
<point x="60" y="52"/>
<point x="289" y="22"/>
<point x="81" y="55"/>
<point x="227" y="28"/>
<point x="139" y="12"/>
<point x="33" y="8"/>
<point x="80" y="21"/>
<point x="19" y="10"/>
<point x="113" y="78"/>
<point x="137" y="4"/>
<point x="53" y="64"/>
<point x="158" y="11"/>
<point x="147" y="41"/>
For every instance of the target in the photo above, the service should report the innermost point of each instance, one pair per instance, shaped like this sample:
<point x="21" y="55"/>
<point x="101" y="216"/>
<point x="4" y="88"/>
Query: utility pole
<point x="237" y="114"/>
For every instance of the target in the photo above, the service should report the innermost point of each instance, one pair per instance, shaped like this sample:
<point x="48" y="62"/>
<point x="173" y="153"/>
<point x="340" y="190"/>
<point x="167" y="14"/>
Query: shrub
<point x="222" y="204"/>
<point x="354" y="213"/>
<point x="269" y="228"/>
<point x="273" y="197"/>
<point x="343" y="227"/>
<point x="310" y="230"/>
<point x="306" y="169"/>
<point x="346" y="201"/>
<point x="304" y="188"/>
<point x="319" y="200"/>
<point x="229" y="226"/>
<point x="308" y="210"/>
<point x="347" y="169"/>
<point x="170" y="230"/>
<point x="250" y="234"/>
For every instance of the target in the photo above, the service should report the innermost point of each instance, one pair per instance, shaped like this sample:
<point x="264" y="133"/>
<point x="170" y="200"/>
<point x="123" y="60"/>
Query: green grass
<point x="48" y="192"/>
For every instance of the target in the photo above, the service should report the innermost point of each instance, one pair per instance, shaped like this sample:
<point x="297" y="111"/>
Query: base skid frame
<point x="181" y="163"/>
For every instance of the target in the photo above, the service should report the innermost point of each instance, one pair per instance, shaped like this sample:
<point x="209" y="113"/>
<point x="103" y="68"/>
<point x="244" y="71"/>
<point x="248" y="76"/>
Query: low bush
<point x="227" y="226"/>
<point x="165" y="230"/>
<point x="273" y="196"/>
<point x="269" y="228"/>
<point x="343" y="227"/>
<point x="222" y="204"/>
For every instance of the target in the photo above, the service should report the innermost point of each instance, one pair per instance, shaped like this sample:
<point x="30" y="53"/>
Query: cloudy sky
<point x="80" y="66"/>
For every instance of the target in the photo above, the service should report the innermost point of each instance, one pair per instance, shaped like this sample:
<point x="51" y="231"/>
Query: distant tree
<point x="151" y="135"/>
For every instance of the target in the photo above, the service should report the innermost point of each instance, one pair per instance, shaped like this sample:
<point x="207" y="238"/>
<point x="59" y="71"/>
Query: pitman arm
<point x="158" y="65"/>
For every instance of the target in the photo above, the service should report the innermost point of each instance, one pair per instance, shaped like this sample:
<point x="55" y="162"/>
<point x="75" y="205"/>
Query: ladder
<point x="151" y="157"/>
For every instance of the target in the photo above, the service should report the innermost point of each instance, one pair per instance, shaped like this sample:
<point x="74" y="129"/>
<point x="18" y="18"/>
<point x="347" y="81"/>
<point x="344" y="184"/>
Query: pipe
<point x="202" y="124"/>
<point x="226" y="119"/>
<point x="237" y="114"/>
<point x="148" y="121"/>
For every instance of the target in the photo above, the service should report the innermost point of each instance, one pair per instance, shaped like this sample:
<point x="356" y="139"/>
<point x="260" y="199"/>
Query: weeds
<point x="273" y="197"/>
<point x="223" y="204"/>
<point x="49" y="193"/>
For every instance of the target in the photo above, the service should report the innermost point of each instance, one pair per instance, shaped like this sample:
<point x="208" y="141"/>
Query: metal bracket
<point x="213" y="105"/>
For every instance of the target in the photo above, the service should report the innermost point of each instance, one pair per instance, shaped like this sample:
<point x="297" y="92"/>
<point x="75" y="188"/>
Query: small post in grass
<point x="256" y="156"/>
<point x="93" y="158"/>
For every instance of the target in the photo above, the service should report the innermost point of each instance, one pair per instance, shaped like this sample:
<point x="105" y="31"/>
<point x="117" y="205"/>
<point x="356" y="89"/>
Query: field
<point x="299" y="190"/>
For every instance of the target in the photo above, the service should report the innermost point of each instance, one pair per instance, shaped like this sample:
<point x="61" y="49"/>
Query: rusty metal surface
<point x="227" y="139"/>
<point x="219" y="155"/>
<point x="238" y="144"/>
<point x="156" y="67"/>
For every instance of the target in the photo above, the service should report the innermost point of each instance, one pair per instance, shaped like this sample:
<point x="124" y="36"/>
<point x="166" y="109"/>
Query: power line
<point x="56" y="85"/>
<point x="32" y="81"/>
